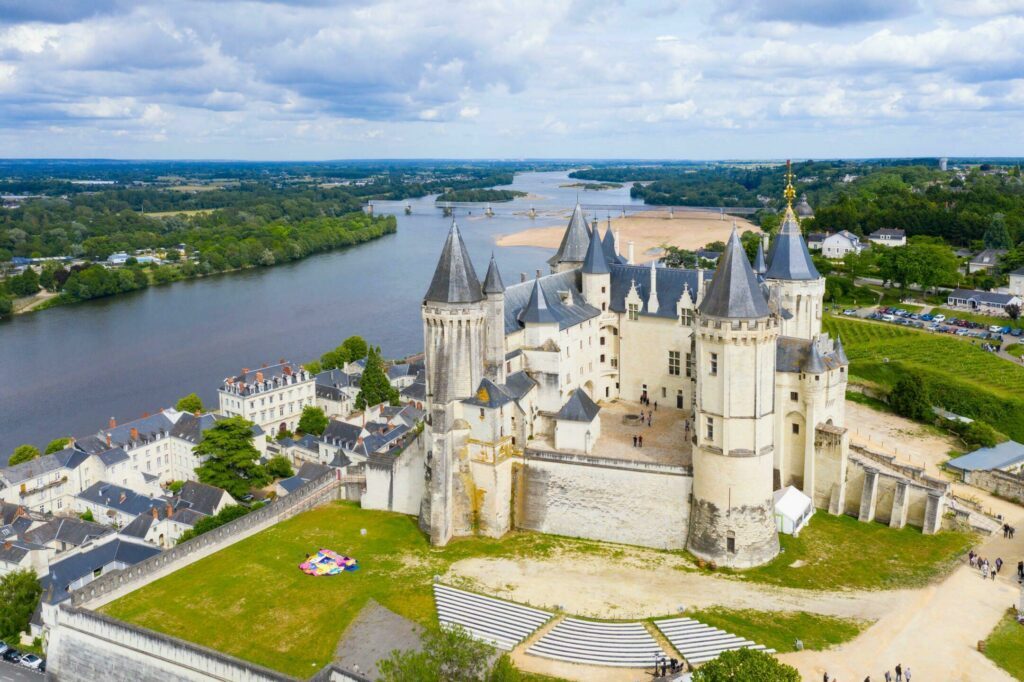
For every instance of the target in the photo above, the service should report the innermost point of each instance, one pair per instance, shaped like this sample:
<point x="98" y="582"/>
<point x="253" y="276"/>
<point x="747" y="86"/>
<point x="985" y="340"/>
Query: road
<point x="15" y="673"/>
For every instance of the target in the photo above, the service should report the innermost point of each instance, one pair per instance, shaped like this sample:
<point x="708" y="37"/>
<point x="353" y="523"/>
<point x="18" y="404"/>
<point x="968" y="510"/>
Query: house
<point x="115" y="505"/>
<point x="1007" y="457"/>
<point x="402" y="376"/>
<point x="271" y="397"/>
<point x="163" y="525"/>
<point x="839" y="244"/>
<point x="989" y="302"/>
<point x="122" y="258"/>
<point x="336" y="392"/>
<point x="708" y="255"/>
<point x="305" y="449"/>
<point x="30" y="541"/>
<point x="814" y="240"/>
<point x="985" y="260"/>
<point x="45" y="484"/>
<point x="415" y="393"/>
<point x="306" y="473"/>
<point x="1017" y="282"/>
<point x="888" y="237"/>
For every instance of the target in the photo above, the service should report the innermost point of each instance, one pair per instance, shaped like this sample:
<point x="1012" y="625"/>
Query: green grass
<point x="1005" y="646"/>
<point x="987" y="320"/>
<point x="1015" y="349"/>
<point x="779" y="630"/>
<point x="840" y="552"/>
<point x="250" y="600"/>
<point x="873" y="403"/>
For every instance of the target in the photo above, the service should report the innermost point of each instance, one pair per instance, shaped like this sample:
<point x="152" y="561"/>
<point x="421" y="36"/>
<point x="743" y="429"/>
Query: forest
<point x="496" y="195"/>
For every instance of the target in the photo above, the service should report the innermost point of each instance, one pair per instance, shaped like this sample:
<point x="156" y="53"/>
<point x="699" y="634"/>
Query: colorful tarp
<point x="327" y="562"/>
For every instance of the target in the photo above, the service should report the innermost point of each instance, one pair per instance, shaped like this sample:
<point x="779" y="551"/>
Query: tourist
<point x="641" y="440"/>
<point x="648" y="419"/>
<point x="1020" y="570"/>
<point x="888" y="676"/>
<point x="999" y="564"/>
<point x="634" y="440"/>
<point x="906" y="674"/>
<point x="899" y="673"/>
<point x="655" y="405"/>
<point x="971" y="556"/>
<point x="1006" y="530"/>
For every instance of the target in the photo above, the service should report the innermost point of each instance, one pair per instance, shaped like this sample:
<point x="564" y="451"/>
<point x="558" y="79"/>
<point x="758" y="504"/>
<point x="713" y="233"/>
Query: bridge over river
<point x="490" y="209"/>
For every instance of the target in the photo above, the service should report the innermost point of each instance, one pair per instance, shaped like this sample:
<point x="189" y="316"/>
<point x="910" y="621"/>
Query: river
<point x="67" y="370"/>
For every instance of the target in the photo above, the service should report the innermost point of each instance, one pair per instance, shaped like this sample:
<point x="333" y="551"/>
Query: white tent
<point x="793" y="510"/>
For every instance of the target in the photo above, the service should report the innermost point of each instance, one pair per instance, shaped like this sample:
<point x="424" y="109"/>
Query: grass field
<point x="779" y="630"/>
<point x="1005" y="646"/>
<point x="1015" y="349"/>
<point x="840" y="552"/>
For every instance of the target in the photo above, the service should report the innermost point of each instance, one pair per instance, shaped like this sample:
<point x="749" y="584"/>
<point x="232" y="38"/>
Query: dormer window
<point x="634" y="311"/>
<point x="686" y="317"/>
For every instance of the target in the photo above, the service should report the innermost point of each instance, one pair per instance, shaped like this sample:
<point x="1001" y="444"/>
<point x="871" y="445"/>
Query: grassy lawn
<point x="868" y="401"/>
<point x="1015" y="349"/>
<point x="250" y="600"/>
<point x="779" y="630"/>
<point x="840" y="552"/>
<point x="1005" y="646"/>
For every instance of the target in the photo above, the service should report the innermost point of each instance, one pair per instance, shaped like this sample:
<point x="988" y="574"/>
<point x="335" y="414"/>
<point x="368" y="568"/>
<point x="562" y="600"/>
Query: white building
<point x="888" y="237"/>
<point x="1017" y="282"/>
<point x="839" y="244"/>
<point x="272" y="397"/>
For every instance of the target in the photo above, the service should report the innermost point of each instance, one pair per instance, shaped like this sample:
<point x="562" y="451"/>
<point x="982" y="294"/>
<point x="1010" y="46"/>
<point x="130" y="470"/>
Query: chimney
<point x="287" y="370"/>
<point x="538" y="272"/>
<point x="197" y="413"/>
<point x="145" y="414"/>
<point x="245" y="370"/>
<point x="522" y="277"/>
<point x="259" y="377"/>
<point x="135" y="433"/>
<point x="71" y="441"/>
<point x="108" y="439"/>
<point x="124" y="496"/>
<point x="156" y="514"/>
<point x="113" y="423"/>
<point x="629" y="253"/>
<point x="7" y="545"/>
<point x="169" y="509"/>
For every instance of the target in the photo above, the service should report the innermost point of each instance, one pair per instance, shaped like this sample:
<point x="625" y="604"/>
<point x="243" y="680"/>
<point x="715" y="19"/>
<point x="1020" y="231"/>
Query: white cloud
<point x="469" y="112"/>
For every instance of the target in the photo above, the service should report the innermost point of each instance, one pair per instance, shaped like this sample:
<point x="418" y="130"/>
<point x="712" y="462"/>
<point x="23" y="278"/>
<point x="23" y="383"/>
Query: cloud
<point x="824" y="13"/>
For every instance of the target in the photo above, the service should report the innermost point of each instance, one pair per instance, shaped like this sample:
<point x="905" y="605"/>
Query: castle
<point x="518" y="377"/>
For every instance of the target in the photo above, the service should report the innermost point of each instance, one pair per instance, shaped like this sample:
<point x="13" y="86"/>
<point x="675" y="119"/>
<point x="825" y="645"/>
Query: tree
<point x="280" y="467"/>
<point x="208" y="523"/>
<point x="746" y="665"/>
<point x="909" y="398"/>
<point x="1013" y="310"/>
<point x="374" y="387"/>
<point x="334" y="359"/>
<point x="87" y="516"/>
<point x="191" y="404"/>
<point x="355" y="347"/>
<point x="858" y="264"/>
<point x="313" y="420"/>
<point x="231" y="460"/>
<point x="23" y="453"/>
<point x="978" y="434"/>
<point x="449" y="654"/>
<point x="25" y="284"/>
<point x="19" y="595"/>
<point x="56" y="445"/>
<point x="314" y="367"/>
<point x="6" y="306"/>
<point x="175" y="486"/>
<point x="997" y="236"/>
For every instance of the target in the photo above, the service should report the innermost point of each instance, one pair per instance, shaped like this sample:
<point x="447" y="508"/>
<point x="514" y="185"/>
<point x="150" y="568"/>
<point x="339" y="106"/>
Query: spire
<point x="537" y="309"/>
<point x="841" y="352"/>
<point x="455" y="280"/>
<point x="595" y="262"/>
<point x="652" y="296"/>
<point x="789" y="257"/>
<point x="573" y="248"/>
<point x="611" y="254"/>
<point x="815" y="364"/>
<point x="734" y="292"/>
<point x="492" y="280"/>
<point x="759" y="265"/>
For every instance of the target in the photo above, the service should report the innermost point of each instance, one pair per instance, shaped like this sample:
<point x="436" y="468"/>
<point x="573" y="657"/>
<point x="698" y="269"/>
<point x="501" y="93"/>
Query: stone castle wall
<point x="634" y="503"/>
<point x="999" y="483"/>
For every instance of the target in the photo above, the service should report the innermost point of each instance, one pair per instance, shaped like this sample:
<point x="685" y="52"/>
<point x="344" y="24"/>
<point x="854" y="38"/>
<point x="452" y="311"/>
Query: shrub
<point x="280" y="467"/>
<point x="909" y="398"/>
<point x="746" y="665"/>
<point x="23" y="453"/>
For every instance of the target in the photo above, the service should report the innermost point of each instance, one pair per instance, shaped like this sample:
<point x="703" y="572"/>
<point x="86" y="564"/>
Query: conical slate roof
<point x="537" y="309"/>
<point x="492" y="280"/>
<point x="573" y="248"/>
<point x="759" y="265"/>
<point x="455" y="280"/>
<point x="578" y="408"/>
<point x="733" y="291"/>
<point x="595" y="263"/>
<point x="841" y="352"/>
<point x="789" y="257"/>
<point x="815" y="364"/>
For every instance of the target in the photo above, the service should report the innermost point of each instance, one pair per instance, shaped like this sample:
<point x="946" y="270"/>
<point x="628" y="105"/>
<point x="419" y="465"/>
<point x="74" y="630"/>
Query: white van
<point x="889" y="318"/>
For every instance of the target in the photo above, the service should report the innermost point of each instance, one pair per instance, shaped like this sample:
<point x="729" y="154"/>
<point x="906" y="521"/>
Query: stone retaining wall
<point x="998" y="483"/>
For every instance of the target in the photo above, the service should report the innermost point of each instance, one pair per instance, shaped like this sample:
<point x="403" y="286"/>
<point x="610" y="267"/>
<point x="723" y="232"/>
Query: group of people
<point x="1008" y="531"/>
<point x="901" y="675"/>
<point x="987" y="569"/>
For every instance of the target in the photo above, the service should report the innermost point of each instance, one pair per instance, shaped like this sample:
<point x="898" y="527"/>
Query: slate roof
<point x="759" y="263"/>
<point x="492" y="280"/>
<point x="113" y="456"/>
<point x="888" y="232"/>
<point x="518" y="384"/>
<point x="671" y="282"/>
<point x="734" y="292"/>
<point x="63" y="573"/>
<point x="608" y="244"/>
<point x="789" y="257"/>
<point x="455" y="280"/>
<point x="794" y="355"/>
<point x="987" y="297"/>
<point x="537" y="309"/>
<point x="190" y="427"/>
<point x="1000" y="456"/>
<point x="595" y="262"/>
<point x="9" y="512"/>
<point x="415" y="391"/>
<point x="149" y="428"/>
<point x="841" y="352"/>
<point x="568" y="313"/>
<point x="31" y="469"/>
<point x="578" y="408"/>
<point x="139" y="526"/>
<point x="67" y="530"/>
<point x="575" y="241"/>
<point x="489" y="395"/>
<point x="109" y="495"/>
<point x="803" y="208"/>
<point x="988" y="257"/>
<point x="815" y="237"/>
<point x="200" y="497"/>
<point x="292" y="483"/>
<point x="341" y="433"/>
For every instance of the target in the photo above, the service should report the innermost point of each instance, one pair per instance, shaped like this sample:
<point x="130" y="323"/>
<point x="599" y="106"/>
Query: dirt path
<point x="647" y="231"/>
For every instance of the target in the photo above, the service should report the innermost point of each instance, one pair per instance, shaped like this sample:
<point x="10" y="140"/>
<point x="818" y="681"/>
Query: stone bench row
<point x="621" y="645"/>
<point x="499" y="623"/>
<point x="700" y="643"/>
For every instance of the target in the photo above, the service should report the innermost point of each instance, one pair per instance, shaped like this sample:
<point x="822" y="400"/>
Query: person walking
<point x="888" y="676"/>
<point x="641" y="439"/>
<point x="906" y="674"/>
<point x="634" y="440"/>
<point x="999" y="563"/>
<point x="899" y="673"/>
<point x="1020" y="570"/>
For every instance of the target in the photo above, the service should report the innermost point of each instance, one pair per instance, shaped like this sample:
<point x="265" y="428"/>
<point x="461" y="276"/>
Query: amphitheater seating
<point x="621" y="645"/>
<point x="500" y="623"/>
<point x="699" y="643"/>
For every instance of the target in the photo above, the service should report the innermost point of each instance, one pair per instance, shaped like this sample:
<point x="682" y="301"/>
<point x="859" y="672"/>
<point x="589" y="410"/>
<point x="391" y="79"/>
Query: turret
<point x="538" y="318"/>
<point x="494" y="307"/>
<point x="596" y="274"/>
<point x="731" y="518"/>
<point x="573" y="248"/>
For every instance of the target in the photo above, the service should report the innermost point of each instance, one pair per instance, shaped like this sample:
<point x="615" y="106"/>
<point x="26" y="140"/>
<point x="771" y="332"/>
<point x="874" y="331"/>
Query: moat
<point x="67" y="370"/>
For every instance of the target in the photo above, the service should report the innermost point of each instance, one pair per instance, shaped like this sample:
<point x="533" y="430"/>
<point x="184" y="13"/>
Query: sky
<point x="325" y="79"/>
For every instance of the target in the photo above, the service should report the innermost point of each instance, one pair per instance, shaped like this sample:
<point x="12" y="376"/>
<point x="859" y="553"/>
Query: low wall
<point x="636" y="503"/>
<point x="998" y="483"/>
<point x="113" y="585"/>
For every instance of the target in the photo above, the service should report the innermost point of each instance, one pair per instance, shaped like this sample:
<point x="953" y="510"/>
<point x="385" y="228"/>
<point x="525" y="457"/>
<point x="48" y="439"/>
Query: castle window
<point x="604" y="306"/>
<point x="711" y="428"/>
<point x="615" y="362"/>
<point x="664" y="392"/>
<point x="730" y="542"/>
<point x="689" y="365"/>
<point x="481" y="414"/>
<point x="686" y="317"/>
<point x="673" y="363"/>
<point x="634" y="311"/>
<point x="793" y="396"/>
<point x="714" y="364"/>
<point x="602" y="340"/>
<point x="602" y="358"/>
<point x="796" y="429"/>
<point x="602" y="290"/>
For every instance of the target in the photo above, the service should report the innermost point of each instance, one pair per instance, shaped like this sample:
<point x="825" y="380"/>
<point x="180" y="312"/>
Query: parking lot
<point x="992" y="336"/>
<point x="12" y="672"/>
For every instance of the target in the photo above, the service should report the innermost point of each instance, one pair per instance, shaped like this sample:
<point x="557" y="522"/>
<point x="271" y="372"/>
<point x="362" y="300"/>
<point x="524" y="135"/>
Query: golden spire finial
<point x="790" y="192"/>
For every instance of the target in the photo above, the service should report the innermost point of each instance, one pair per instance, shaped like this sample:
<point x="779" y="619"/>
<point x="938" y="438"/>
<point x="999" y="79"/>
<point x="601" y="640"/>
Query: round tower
<point x="731" y="517"/>
<point x="494" y="307"/>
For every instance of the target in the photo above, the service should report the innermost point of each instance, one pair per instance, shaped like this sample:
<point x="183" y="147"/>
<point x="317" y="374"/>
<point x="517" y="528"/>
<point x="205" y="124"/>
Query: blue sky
<point x="323" y="79"/>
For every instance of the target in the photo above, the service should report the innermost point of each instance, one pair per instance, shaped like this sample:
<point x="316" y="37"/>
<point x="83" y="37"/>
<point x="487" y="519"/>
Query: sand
<point x="648" y="231"/>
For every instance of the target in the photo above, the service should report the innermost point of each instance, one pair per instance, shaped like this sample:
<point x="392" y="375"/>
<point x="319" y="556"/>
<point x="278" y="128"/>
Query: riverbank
<point x="648" y="231"/>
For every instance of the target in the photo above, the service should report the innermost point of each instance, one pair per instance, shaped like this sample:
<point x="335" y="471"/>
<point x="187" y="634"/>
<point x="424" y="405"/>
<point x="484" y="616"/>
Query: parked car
<point x="849" y="311"/>
<point x="927" y="317"/>
<point x="995" y="328"/>
<point x="1006" y="330"/>
<point x="939" y="318"/>
<point x="1017" y="331"/>
<point x="12" y="655"/>
<point x="889" y="317"/>
<point x="3" y="648"/>
<point x="31" y="661"/>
